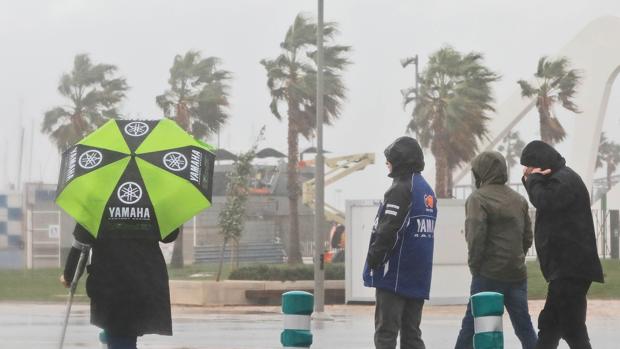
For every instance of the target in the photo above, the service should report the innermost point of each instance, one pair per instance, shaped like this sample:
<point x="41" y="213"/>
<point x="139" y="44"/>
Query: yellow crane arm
<point x="339" y="167"/>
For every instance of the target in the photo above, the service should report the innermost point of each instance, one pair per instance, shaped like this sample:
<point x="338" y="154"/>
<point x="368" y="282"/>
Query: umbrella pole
<point x="79" y="270"/>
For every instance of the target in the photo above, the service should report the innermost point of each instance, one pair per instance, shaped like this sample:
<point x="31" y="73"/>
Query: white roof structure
<point x="596" y="52"/>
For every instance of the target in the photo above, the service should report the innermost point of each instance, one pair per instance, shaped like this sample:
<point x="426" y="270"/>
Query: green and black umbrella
<point x="136" y="179"/>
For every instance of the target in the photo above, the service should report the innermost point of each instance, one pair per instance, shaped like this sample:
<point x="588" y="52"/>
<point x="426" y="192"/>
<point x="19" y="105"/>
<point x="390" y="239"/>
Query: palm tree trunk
<point x="294" y="253"/>
<point x="219" y="268"/>
<point x="441" y="171"/>
<point x="236" y="255"/>
<point x="609" y="173"/>
<point x="543" y="114"/>
<point x="182" y="119"/>
<point x="176" y="261"/>
<point x="450" y="182"/>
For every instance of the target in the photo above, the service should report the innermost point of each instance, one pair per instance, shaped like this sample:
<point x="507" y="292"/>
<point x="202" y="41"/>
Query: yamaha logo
<point x="129" y="193"/>
<point x="175" y="161"/>
<point x="136" y="129"/>
<point x="71" y="164"/>
<point x="90" y="159"/>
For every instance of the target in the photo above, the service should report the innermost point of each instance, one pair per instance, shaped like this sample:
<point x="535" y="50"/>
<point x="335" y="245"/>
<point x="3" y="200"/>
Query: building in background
<point x="11" y="239"/>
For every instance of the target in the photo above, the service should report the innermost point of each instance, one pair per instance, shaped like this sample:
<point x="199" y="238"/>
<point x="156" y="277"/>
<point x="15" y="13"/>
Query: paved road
<point x="37" y="326"/>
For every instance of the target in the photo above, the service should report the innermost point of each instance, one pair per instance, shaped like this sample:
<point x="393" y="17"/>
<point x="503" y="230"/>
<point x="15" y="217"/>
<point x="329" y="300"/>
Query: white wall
<point x="451" y="276"/>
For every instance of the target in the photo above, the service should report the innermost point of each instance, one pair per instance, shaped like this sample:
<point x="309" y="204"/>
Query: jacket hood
<point x="489" y="168"/>
<point x="541" y="154"/>
<point x="405" y="155"/>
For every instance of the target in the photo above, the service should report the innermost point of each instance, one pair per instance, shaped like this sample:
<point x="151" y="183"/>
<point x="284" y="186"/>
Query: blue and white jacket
<point x="400" y="254"/>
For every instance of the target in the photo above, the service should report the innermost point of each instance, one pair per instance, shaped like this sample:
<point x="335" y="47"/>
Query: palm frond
<point x="526" y="89"/>
<point x="94" y="93"/>
<point x="202" y="88"/>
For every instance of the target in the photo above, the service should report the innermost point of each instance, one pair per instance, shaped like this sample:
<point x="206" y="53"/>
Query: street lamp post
<point x="404" y="63"/>
<point x="319" y="238"/>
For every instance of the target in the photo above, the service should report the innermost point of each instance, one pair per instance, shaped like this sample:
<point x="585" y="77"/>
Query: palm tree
<point x="512" y="145"/>
<point x="608" y="155"/>
<point x="197" y="101"/>
<point x="450" y="112"/>
<point x="291" y="79"/>
<point x="198" y="96"/>
<point x="555" y="83"/>
<point x="93" y="93"/>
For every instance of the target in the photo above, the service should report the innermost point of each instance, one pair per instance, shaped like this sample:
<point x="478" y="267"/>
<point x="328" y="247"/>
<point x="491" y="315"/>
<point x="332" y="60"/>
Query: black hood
<point x="542" y="155"/>
<point x="405" y="155"/>
<point x="489" y="168"/>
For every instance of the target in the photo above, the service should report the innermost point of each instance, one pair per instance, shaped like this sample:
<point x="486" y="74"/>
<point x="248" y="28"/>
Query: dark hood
<point x="541" y="154"/>
<point x="405" y="155"/>
<point x="489" y="168"/>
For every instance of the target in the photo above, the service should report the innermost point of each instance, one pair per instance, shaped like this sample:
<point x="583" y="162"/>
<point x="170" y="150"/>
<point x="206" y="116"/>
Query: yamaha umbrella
<point x="136" y="179"/>
<point x="133" y="179"/>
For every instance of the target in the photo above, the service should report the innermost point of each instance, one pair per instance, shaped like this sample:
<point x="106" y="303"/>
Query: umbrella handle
<point x="79" y="270"/>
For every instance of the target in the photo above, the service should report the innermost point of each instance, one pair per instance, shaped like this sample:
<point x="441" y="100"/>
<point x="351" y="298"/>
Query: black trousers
<point x="394" y="314"/>
<point x="564" y="315"/>
<point x="122" y="342"/>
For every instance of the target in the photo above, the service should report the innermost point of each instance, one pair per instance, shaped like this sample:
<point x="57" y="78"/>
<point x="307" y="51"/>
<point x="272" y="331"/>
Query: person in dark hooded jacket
<point x="127" y="284"/>
<point x="498" y="230"/>
<point x="565" y="243"/>
<point x="400" y="255"/>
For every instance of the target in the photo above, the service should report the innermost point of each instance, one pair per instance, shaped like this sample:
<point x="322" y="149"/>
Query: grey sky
<point x="38" y="40"/>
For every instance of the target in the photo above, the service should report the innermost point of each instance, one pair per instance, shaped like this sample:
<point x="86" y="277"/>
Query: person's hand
<point x="63" y="281"/>
<point x="541" y="171"/>
<point x="526" y="172"/>
<point x="529" y="170"/>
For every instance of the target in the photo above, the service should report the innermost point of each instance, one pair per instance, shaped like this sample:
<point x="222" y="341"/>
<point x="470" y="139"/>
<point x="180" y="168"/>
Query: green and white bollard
<point x="103" y="339"/>
<point x="487" y="309"/>
<point x="297" y="307"/>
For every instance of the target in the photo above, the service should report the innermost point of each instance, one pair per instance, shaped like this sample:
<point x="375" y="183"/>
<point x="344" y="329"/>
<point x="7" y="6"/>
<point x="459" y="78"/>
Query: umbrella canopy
<point x="269" y="153"/>
<point x="135" y="179"/>
<point x="223" y="154"/>
<point x="310" y="150"/>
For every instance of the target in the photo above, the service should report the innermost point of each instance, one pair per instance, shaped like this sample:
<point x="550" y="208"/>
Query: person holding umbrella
<point x="129" y="186"/>
<point x="127" y="285"/>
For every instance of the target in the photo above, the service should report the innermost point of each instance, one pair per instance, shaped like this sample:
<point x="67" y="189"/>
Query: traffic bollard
<point x="297" y="308"/>
<point x="487" y="309"/>
<point x="103" y="339"/>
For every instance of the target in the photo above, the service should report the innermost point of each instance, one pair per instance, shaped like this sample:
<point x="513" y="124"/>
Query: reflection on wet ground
<point x="37" y="326"/>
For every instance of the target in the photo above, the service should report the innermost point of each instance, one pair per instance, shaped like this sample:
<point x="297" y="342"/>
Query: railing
<point x="601" y="229"/>
<point x="43" y="238"/>
<point x="462" y="191"/>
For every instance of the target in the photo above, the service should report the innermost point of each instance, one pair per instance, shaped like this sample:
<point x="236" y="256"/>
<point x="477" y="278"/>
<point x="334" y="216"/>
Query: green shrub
<point x="284" y="272"/>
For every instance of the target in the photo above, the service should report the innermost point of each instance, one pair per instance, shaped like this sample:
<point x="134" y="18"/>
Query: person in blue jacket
<point x="400" y="256"/>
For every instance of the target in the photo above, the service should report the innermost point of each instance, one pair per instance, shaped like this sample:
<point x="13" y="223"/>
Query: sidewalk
<point x="37" y="326"/>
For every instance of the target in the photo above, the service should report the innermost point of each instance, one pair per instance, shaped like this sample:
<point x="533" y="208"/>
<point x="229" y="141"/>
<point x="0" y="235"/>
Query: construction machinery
<point x="338" y="168"/>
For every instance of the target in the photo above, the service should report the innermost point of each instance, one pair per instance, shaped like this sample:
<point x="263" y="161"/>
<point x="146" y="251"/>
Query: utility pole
<point x="6" y="165"/>
<point x="18" y="184"/>
<point x="319" y="175"/>
<point x="30" y="177"/>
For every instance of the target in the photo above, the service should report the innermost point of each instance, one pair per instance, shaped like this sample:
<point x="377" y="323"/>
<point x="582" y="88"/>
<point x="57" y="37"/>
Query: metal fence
<point x="602" y="232"/>
<point x="43" y="239"/>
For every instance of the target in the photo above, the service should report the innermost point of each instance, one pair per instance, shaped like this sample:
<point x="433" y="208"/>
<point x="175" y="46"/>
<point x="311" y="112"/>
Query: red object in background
<point x="327" y="256"/>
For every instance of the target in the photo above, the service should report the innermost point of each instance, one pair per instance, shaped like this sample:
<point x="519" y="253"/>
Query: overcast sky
<point x="38" y="40"/>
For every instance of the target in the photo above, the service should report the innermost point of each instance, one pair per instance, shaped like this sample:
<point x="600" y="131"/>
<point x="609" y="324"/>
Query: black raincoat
<point x="564" y="230"/>
<point x="127" y="284"/>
